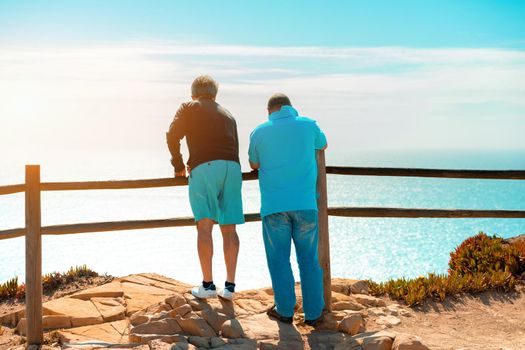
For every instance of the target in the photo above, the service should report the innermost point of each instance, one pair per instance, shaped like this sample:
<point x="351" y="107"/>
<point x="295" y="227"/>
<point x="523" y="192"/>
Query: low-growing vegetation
<point x="478" y="264"/>
<point x="50" y="281"/>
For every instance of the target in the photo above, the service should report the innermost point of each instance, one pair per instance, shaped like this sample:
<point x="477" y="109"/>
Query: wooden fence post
<point x="324" y="238"/>
<point x="33" y="312"/>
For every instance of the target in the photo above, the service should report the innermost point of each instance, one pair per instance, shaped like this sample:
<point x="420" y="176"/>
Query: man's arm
<point x="320" y="139"/>
<point x="253" y="155"/>
<point x="174" y="135"/>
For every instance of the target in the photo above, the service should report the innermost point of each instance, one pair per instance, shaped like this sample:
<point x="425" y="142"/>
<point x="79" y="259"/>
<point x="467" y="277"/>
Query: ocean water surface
<point x="373" y="248"/>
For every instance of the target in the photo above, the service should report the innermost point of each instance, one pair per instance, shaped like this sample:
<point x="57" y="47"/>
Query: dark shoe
<point x="271" y="312"/>
<point x="315" y="322"/>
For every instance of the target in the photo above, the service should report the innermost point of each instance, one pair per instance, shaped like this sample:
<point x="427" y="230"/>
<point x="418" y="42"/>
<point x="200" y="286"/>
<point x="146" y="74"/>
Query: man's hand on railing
<point x="181" y="173"/>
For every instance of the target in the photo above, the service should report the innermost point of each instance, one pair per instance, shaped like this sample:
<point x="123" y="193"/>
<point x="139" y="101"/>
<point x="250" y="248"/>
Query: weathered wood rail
<point x="33" y="230"/>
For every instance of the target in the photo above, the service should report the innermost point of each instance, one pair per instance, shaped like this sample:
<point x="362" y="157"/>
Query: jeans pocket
<point x="274" y="221"/>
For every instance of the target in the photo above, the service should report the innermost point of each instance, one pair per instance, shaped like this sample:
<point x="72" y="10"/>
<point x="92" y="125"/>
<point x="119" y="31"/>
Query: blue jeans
<point x="279" y="230"/>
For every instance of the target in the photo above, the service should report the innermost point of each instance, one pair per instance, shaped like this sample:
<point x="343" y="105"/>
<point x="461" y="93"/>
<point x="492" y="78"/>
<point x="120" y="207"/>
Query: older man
<point x="215" y="178"/>
<point x="283" y="149"/>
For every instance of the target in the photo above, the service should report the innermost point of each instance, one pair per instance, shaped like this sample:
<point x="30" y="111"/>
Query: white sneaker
<point x="225" y="294"/>
<point x="203" y="293"/>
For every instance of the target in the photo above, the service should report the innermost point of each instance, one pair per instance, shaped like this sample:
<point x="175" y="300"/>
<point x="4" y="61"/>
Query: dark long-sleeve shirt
<point x="210" y="131"/>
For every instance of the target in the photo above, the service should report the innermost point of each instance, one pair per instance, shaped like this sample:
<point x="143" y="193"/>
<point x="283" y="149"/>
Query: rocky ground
<point x="149" y="311"/>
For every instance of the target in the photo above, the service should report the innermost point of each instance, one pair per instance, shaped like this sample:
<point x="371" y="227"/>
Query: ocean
<point x="361" y="248"/>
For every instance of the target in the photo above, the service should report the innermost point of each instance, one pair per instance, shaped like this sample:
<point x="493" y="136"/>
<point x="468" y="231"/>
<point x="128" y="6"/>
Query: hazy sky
<point x="109" y="75"/>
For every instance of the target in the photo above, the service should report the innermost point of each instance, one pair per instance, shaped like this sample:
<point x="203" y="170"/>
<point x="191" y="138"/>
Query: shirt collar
<point x="285" y="112"/>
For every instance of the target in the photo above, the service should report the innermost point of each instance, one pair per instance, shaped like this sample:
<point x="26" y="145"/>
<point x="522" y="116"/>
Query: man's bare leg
<point x="231" y="250"/>
<point x="205" y="247"/>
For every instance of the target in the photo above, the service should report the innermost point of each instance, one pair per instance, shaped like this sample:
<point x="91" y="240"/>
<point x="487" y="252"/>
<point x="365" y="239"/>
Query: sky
<point x="93" y="76"/>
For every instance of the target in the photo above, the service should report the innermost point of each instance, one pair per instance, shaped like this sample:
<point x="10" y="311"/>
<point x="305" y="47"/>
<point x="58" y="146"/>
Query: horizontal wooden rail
<point x="423" y="213"/>
<point x="334" y="211"/>
<point x="9" y="189"/>
<point x="336" y="170"/>
<point x="417" y="172"/>
<point x="123" y="184"/>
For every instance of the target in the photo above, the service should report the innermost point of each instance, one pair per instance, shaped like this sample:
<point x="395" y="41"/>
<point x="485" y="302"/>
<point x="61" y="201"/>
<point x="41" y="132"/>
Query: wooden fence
<point x="33" y="229"/>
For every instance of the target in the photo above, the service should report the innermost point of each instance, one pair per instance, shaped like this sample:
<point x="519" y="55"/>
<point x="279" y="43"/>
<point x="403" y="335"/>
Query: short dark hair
<point x="204" y="86"/>
<point x="278" y="99"/>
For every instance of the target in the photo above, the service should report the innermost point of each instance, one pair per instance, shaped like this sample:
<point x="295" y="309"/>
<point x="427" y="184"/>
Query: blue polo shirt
<point x="284" y="147"/>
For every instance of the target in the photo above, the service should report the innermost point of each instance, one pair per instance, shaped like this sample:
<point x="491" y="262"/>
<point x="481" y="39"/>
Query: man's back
<point x="210" y="130"/>
<point x="285" y="149"/>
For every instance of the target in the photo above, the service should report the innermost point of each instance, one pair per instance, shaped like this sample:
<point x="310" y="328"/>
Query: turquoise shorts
<point x="215" y="192"/>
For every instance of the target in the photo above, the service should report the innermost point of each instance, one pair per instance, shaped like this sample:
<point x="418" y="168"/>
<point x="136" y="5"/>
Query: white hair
<point x="204" y="86"/>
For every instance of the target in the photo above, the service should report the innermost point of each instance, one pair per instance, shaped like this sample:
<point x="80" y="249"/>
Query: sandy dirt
<point x="490" y="320"/>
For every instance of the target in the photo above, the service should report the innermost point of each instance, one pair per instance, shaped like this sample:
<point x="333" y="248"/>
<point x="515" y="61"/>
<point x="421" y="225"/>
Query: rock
<point x="165" y="326"/>
<point x="232" y="329"/>
<point x="183" y="346"/>
<point x="393" y="310"/>
<point x="109" y="290"/>
<point x="328" y="340"/>
<point x="183" y="310"/>
<point x="261" y="327"/>
<point x="283" y="345"/>
<point x="191" y="315"/>
<point x="398" y="310"/>
<point x="337" y="297"/>
<point x="165" y="338"/>
<point x="377" y="343"/>
<point x="352" y="324"/>
<point x="111" y="332"/>
<point x="332" y="320"/>
<point x="48" y="322"/>
<point x="341" y="285"/>
<point x="214" y="319"/>
<point x="141" y="347"/>
<point x="139" y="318"/>
<point x="348" y="345"/>
<point x="195" y="326"/>
<point x="240" y="344"/>
<point x="11" y="319"/>
<point x="159" y="344"/>
<point x="391" y="335"/>
<point x="110" y="311"/>
<point x="200" y="342"/>
<point x="405" y="312"/>
<point x="359" y="287"/>
<point x="368" y="300"/>
<point x="140" y="296"/>
<point x="216" y="342"/>
<point x="162" y="315"/>
<point x="82" y="312"/>
<point x="377" y="311"/>
<point x="56" y="321"/>
<point x="388" y="321"/>
<point x="346" y="305"/>
<point x="109" y="301"/>
<point x="254" y="305"/>
<point x="158" y="281"/>
<point x="197" y="304"/>
<point x="408" y="342"/>
<point x="268" y="290"/>
<point x="337" y="315"/>
<point x="159" y="307"/>
<point x="175" y="301"/>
